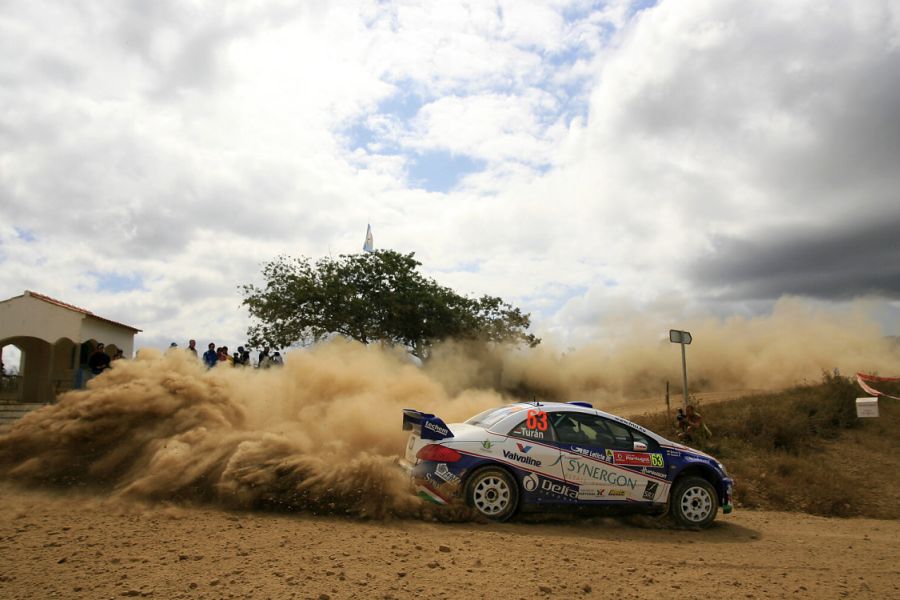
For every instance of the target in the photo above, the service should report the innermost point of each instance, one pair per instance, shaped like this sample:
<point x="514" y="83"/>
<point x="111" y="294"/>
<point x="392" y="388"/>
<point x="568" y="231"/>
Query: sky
<point x="585" y="161"/>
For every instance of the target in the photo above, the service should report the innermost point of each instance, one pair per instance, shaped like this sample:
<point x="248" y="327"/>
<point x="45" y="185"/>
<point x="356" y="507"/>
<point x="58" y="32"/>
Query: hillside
<point x="804" y="449"/>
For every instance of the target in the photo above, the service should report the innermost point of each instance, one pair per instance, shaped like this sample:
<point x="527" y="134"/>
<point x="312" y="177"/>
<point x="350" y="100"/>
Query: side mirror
<point x="640" y="447"/>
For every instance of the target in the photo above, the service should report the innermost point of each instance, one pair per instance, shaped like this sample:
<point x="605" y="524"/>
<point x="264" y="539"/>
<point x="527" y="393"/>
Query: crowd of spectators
<point x="215" y="355"/>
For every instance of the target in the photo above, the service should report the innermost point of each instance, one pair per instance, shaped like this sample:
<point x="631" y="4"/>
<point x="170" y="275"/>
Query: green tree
<point x="372" y="297"/>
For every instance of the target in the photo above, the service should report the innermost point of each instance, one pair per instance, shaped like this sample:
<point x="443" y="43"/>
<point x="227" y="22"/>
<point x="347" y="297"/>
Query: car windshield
<point x="491" y="416"/>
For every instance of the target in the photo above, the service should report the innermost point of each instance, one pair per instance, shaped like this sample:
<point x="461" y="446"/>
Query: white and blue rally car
<point x="530" y="455"/>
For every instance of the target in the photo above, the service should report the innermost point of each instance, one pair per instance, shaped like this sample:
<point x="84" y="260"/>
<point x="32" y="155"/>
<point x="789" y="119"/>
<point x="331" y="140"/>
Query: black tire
<point x="493" y="493"/>
<point x="694" y="503"/>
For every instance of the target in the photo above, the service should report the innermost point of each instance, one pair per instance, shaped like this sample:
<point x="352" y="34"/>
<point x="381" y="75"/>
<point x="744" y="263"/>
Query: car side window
<point x="625" y="437"/>
<point x="621" y="435"/>
<point x="591" y="430"/>
<point x="582" y="429"/>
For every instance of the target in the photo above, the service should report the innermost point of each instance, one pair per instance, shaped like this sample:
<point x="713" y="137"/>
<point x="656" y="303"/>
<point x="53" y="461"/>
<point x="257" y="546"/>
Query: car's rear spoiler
<point x="429" y="427"/>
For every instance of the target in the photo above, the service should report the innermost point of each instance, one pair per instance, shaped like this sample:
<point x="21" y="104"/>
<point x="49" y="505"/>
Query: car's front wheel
<point x="694" y="502"/>
<point x="493" y="492"/>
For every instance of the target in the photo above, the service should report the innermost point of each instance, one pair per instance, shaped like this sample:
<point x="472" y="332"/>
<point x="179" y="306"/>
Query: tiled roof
<point x="77" y="309"/>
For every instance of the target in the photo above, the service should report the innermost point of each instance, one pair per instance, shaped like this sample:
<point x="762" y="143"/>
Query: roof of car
<point x="570" y="406"/>
<point x="579" y="407"/>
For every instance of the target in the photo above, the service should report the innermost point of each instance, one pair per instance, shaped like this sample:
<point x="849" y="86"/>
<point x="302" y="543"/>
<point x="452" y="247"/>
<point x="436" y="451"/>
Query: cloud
<point x="574" y="158"/>
<point x="859" y="259"/>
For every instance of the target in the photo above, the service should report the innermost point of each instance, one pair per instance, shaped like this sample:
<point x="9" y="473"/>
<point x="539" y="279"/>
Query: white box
<point x="867" y="407"/>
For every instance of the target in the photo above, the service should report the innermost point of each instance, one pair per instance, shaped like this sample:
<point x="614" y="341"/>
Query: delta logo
<point x="523" y="448"/>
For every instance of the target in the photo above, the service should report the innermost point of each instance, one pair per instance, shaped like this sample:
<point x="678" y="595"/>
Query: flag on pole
<point x="369" y="246"/>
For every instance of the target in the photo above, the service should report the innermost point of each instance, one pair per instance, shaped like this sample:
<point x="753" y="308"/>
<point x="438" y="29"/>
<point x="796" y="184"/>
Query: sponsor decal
<point x="443" y="471"/>
<point x="522" y="459"/>
<point x="652" y="472"/>
<point x="436" y="428"/>
<point x="673" y="453"/>
<point x="530" y="433"/>
<point x="590" y="453"/>
<point x="650" y="490"/>
<point x="600" y="474"/>
<point x="616" y="493"/>
<point x="532" y="482"/>
<point x="629" y="423"/>
<point x="560" y="489"/>
<point x="635" y="459"/>
<point x="487" y="445"/>
<point x="523" y="448"/>
<point x="699" y="459"/>
<point x="590" y="493"/>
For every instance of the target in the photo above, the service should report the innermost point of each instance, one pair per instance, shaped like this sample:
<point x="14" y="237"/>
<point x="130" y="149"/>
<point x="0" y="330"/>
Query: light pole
<point x="683" y="338"/>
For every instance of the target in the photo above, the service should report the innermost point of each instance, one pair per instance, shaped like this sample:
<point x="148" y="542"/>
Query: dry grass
<point x="804" y="449"/>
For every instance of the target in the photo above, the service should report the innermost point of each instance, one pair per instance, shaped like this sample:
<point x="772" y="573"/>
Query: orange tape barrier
<point x="863" y="379"/>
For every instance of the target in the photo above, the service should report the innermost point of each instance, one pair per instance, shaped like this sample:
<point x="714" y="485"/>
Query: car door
<point x="531" y="445"/>
<point x="608" y="461"/>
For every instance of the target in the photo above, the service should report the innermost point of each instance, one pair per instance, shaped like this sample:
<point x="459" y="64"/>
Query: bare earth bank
<point x="55" y="546"/>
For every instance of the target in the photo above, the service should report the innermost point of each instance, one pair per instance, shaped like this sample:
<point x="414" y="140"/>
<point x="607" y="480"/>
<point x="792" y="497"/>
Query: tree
<point x="372" y="297"/>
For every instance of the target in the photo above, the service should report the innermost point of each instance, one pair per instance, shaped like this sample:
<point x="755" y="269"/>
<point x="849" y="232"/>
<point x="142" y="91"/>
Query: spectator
<point x="192" y="347"/>
<point x="119" y="355"/>
<point x="223" y="356"/>
<point x="264" y="361"/>
<point x="211" y="357"/>
<point x="680" y="422"/>
<point x="242" y="357"/>
<point x="695" y="430"/>
<point x="277" y="361"/>
<point x="99" y="360"/>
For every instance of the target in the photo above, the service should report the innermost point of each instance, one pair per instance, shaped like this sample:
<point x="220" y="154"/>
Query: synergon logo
<point x="600" y="474"/>
<point x="522" y="459"/>
<point x="436" y="428"/>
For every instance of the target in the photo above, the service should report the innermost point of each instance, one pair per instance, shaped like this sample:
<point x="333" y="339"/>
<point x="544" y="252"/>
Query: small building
<point x="55" y="340"/>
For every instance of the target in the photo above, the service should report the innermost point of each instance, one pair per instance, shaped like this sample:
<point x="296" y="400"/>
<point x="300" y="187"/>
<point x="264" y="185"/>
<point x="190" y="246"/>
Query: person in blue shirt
<point x="211" y="357"/>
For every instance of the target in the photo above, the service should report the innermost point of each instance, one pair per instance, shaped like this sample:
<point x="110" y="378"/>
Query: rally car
<point x="530" y="455"/>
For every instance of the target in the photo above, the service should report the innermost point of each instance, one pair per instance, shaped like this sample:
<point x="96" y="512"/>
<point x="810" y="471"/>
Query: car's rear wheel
<point x="493" y="492"/>
<point x="694" y="503"/>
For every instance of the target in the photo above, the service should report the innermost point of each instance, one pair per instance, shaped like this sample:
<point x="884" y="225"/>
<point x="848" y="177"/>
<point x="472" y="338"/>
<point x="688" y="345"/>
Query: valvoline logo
<point x="523" y="448"/>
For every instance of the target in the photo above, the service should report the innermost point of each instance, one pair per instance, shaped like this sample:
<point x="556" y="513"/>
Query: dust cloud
<point x="322" y="433"/>
<point x="794" y="344"/>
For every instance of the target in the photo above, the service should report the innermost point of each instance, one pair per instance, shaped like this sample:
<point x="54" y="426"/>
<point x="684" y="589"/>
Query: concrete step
<point x="10" y="413"/>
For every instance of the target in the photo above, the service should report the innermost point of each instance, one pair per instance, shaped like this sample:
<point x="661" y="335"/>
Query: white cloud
<point x="188" y="143"/>
<point x="487" y="126"/>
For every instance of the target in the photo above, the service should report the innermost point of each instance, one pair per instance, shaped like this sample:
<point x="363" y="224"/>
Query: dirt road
<point x="53" y="546"/>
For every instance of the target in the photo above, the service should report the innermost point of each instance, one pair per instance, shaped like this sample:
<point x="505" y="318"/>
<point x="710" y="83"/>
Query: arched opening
<point x="10" y="372"/>
<point x="32" y="383"/>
